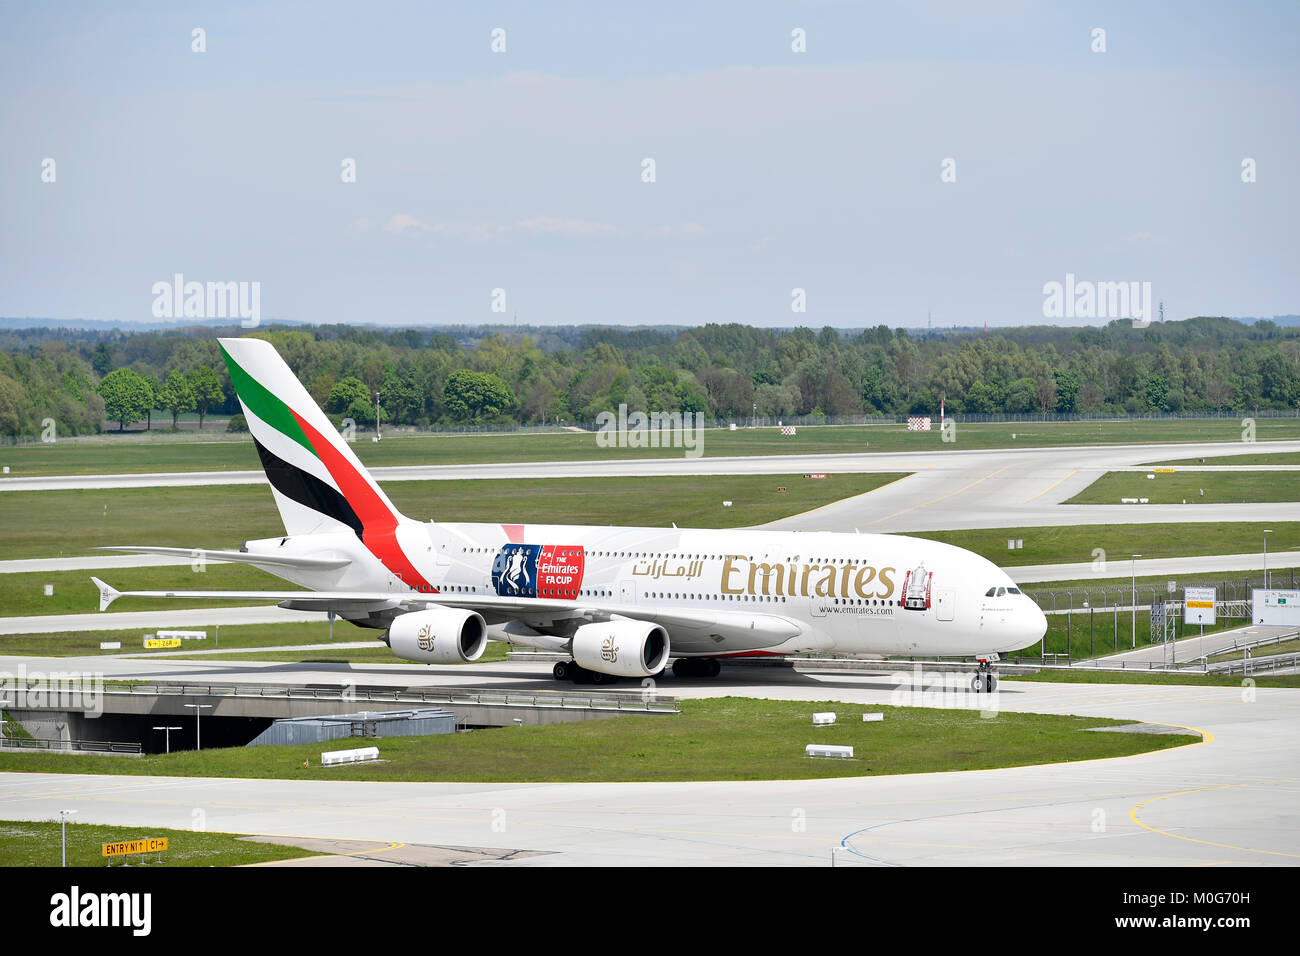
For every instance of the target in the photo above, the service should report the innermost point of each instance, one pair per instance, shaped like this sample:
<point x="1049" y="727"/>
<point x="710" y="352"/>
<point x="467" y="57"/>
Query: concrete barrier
<point x="828" y="750"/>
<point x="331" y="757"/>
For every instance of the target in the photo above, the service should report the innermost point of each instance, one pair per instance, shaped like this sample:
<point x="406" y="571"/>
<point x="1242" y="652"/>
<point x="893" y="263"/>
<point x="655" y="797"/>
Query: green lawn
<point x="1264" y="458"/>
<point x="61" y="523"/>
<point x="1069" y="544"/>
<point x="1084" y="634"/>
<point x="79" y="644"/>
<point x="718" y="739"/>
<point x="40" y="844"/>
<point x="214" y="451"/>
<point x="1061" y="676"/>
<point x="1111" y="582"/>
<point x="1190" y="487"/>
<point x="75" y="593"/>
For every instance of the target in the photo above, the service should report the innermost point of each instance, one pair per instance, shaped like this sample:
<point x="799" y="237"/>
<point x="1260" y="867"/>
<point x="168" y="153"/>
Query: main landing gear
<point x="570" y="671"/>
<point x="985" y="680"/>
<point x="696" y="667"/>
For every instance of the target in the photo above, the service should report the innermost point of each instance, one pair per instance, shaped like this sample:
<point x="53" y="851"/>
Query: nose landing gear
<point x="985" y="680"/>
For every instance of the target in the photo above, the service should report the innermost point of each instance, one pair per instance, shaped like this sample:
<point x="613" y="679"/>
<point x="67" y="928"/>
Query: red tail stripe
<point x="378" y="521"/>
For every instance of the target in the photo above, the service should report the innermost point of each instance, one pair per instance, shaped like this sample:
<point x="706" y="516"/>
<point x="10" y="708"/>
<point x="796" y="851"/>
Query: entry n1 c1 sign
<point x="1198" y="605"/>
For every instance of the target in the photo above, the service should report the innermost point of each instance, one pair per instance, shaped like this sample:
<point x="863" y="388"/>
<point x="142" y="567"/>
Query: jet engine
<point x="438" y="635"/>
<point x="621" y="648"/>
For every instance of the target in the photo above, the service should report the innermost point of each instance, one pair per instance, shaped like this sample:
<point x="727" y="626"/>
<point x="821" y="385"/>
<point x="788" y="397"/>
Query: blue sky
<point x="774" y="169"/>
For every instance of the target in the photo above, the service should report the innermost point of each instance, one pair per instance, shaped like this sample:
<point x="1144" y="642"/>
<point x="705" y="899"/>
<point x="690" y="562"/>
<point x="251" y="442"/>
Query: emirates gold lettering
<point x="742" y="576"/>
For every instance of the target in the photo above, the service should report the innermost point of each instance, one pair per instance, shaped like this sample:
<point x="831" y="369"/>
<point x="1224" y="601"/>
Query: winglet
<point x="107" y="594"/>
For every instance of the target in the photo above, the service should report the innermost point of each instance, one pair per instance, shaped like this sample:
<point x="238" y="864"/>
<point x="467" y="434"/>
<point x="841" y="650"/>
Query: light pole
<point x="1133" y="584"/>
<point x="63" y="830"/>
<point x="377" y="417"/>
<point x="1267" y="532"/>
<point x="198" y="712"/>
<point x="168" y="736"/>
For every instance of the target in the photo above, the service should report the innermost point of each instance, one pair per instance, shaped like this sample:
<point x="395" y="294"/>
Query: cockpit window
<point x="1002" y="592"/>
<point x="1013" y="590"/>
<point x="991" y="592"/>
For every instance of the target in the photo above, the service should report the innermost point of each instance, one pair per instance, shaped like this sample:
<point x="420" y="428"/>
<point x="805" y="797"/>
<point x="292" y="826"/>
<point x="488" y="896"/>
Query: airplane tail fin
<point x="318" y="483"/>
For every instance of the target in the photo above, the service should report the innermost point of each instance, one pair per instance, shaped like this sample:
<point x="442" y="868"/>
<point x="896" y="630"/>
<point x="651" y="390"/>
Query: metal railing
<point x="88" y="746"/>
<point x="635" y="701"/>
<point x="1254" y="665"/>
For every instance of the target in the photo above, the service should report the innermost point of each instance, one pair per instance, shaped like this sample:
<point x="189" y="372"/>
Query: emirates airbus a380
<point x="619" y="601"/>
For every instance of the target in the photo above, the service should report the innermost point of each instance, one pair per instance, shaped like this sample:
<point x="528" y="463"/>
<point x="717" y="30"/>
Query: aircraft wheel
<point x="977" y="683"/>
<point x="562" y="671"/>
<point x="714" y="668"/>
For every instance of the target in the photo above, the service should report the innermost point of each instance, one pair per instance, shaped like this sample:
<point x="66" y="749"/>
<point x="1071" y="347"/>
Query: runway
<point x="947" y="489"/>
<point x="1229" y="800"/>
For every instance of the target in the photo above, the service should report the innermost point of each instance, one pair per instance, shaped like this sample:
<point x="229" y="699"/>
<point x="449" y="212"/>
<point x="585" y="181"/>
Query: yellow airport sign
<point x="1164" y="471"/>
<point x="153" y="643"/>
<point x="127" y="847"/>
<point x="1205" y="604"/>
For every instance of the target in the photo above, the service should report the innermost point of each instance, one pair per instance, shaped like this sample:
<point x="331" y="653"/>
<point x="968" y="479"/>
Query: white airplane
<point x="619" y="601"/>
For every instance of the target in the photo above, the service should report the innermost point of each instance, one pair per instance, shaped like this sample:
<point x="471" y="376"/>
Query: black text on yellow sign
<point x="127" y="847"/>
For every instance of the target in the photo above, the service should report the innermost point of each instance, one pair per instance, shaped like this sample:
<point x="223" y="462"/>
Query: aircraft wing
<point x="691" y="631"/>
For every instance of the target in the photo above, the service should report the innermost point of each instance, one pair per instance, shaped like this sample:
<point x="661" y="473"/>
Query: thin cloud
<point x="554" y="225"/>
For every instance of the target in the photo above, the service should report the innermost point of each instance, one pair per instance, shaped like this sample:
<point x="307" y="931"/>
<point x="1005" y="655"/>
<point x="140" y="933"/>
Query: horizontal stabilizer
<point x="240" y="557"/>
<point x="107" y="594"/>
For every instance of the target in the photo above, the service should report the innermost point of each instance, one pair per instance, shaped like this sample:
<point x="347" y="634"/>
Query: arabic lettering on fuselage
<point x="662" y="569"/>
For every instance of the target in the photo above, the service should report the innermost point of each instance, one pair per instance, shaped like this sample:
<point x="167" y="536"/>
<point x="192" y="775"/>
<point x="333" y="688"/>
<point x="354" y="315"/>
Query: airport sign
<point x="1274" y="606"/>
<point x="129" y="847"/>
<point x="1199" y="605"/>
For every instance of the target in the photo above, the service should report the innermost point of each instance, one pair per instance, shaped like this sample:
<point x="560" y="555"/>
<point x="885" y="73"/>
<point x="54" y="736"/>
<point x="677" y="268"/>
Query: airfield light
<point x="63" y="830"/>
<point x="168" y="736"/>
<point x="1267" y="532"/>
<point x="1133" y="584"/>
<point x="198" y="711"/>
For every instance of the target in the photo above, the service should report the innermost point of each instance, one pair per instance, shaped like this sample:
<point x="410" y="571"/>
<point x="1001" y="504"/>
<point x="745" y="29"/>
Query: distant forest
<point x="455" y="376"/>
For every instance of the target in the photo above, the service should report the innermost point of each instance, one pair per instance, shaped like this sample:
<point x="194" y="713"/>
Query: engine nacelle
<point x="621" y="648"/>
<point x="438" y="635"/>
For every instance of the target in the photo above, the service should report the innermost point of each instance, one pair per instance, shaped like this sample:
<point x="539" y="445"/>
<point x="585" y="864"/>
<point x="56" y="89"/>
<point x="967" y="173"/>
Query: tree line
<point x="501" y="375"/>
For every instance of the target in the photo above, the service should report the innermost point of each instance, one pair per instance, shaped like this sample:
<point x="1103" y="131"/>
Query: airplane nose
<point x="1038" y="623"/>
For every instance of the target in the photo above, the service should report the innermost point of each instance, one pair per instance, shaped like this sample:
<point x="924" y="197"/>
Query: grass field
<point x="1054" y="676"/>
<point x="24" y="843"/>
<point x="315" y="644"/>
<point x="718" y="739"/>
<point x="78" y="644"/>
<point x="1264" y="458"/>
<point x="1192" y="488"/>
<point x="1069" y="544"/>
<point x="44" y="524"/>
<point x="1084" y="634"/>
<point x="1279" y="577"/>
<point x="195" y="451"/>
<point x="74" y="593"/>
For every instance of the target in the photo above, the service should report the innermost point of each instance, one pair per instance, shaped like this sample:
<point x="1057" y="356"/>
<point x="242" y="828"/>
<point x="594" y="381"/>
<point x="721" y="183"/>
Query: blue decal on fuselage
<point x="514" y="570"/>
